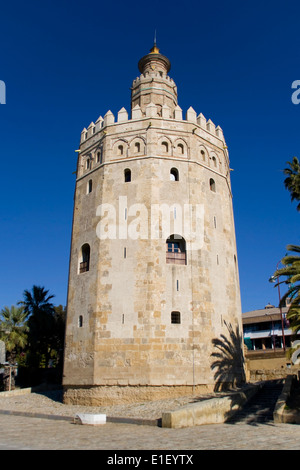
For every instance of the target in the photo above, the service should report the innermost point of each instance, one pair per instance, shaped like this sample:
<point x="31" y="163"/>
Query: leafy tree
<point x="13" y="330"/>
<point x="292" y="181"/>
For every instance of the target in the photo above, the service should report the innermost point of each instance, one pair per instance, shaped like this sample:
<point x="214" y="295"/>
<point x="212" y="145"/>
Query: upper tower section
<point x="154" y="85"/>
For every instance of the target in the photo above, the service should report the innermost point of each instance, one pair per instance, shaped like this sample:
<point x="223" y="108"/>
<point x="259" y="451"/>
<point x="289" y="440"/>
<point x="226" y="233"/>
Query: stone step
<point x="261" y="407"/>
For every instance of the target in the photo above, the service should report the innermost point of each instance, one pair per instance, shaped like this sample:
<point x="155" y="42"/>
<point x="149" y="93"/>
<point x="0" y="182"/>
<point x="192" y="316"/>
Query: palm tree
<point x="292" y="182"/>
<point x="13" y="330"/>
<point x="41" y="323"/>
<point x="37" y="301"/>
<point x="291" y="272"/>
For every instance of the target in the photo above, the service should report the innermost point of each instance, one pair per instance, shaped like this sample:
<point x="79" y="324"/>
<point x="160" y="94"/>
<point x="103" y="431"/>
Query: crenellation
<point x="165" y="112"/>
<point x="191" y="115"/>
<point x="83" y="135"/>
<point x="219" y="132"/>
<point x="201" y="121"/>
<point x="90" y="130"/>
<point x="109" y="118"/>
<point x="178" y="113"/>
<point x="210" y="126"/>
<point x="99" y="124"/>
<point x="151" y="110"/>
<point x="122" y="115"/>
<point x="136" y="112"/>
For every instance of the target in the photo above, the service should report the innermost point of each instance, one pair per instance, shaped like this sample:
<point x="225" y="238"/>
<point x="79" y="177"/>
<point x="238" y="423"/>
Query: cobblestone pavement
<point x="26" y="433"/>
<point x="50" y="403"/>
<point x="58" y="431"/>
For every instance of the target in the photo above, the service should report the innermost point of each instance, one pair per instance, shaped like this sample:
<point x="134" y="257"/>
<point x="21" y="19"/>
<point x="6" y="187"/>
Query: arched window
<point x="165" y="147"/>
<point x="175" y="317"/>
<point x="127" y="175"/>
<point x="137" y="147"/>
<point x="88" y="164"/>
<point x="212" y="185"/>
<point x="99" y="155"/>
<point x="84" y="263"/>
<point x="214" y="161"/>
<point x="203" y="155"/>
<point x="175" y="250"/>
<point x="159" y="110"/>
<point x="89" y="186"/>
<point x="180" y="149"/>
<point x="174" y="174"/>
<point x="120" y="150"/>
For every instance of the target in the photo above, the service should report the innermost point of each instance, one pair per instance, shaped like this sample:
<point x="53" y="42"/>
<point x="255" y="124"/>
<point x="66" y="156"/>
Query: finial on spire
<point x="154" y="49"/>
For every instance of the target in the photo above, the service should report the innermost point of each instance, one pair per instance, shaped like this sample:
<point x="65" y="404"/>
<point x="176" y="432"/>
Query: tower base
<point x="106" y="395"/>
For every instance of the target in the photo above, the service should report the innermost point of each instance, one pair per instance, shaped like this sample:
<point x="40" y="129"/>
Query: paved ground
<point x="47" y="434"/>
<point x="253" y="429"/>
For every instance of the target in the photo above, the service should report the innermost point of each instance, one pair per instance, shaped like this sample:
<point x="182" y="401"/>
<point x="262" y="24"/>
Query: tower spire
<point x="154" y="49"/>
<point x="154" y="85"/>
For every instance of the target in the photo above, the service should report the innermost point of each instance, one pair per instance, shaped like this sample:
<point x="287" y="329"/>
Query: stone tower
<point x="153" y="275"/>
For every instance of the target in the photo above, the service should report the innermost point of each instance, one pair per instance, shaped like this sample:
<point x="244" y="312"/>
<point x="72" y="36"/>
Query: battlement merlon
<point x="164" y="113"/>
<point x="159" y="76"/>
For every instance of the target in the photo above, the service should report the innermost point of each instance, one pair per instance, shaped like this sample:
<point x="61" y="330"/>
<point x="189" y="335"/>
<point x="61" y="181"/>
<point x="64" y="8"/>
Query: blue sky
<point x="66" y="63"/>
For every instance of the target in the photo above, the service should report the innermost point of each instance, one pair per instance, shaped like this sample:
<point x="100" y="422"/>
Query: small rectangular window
<point x="175" y="317"/>
<point x="125" y="253"/>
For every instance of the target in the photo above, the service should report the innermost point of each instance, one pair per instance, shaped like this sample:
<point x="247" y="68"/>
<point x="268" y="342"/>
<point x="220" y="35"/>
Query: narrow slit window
<point x="80" y="321"/>
<point x="89" y="186"/>
<point x="212" y="185"/>
<point x="99" y="156"/>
